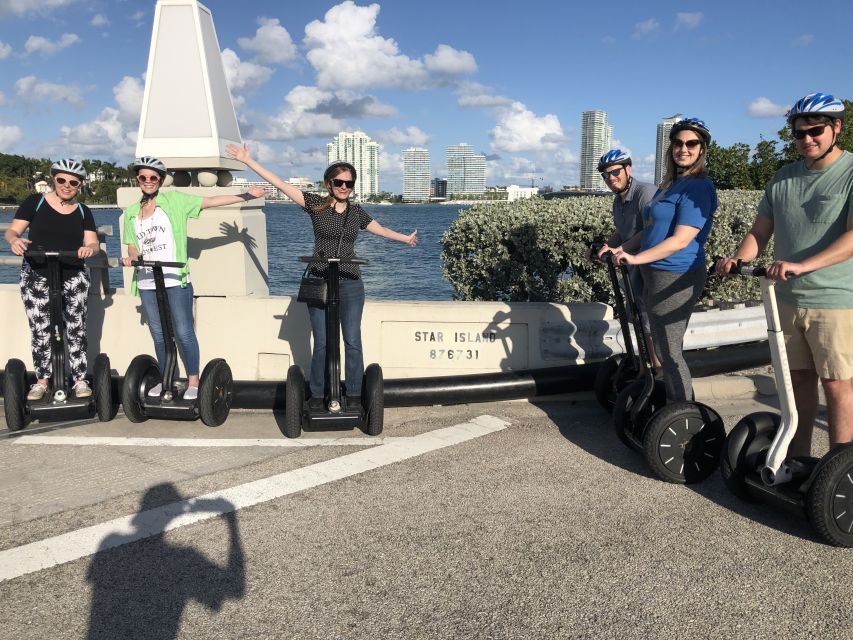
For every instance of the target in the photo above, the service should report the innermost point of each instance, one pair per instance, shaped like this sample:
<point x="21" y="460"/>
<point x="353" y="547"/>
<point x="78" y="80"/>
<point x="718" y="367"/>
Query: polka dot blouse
<point x="327" y="230"/>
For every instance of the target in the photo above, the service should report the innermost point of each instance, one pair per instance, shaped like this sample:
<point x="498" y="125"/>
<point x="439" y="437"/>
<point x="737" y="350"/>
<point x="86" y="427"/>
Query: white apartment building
<point x="466" y="170"/>
<point x="664" y="127"/>
<point x="416" y="175"/>
<point x="596" y="136"/>
<point x="515" y="192"/>
<point x="362" y="153"/>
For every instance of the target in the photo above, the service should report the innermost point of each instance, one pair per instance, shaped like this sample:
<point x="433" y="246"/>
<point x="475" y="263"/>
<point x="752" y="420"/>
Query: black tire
<point x="142" y="374"/>
<point x="746" y="449"/>
<point x="829" y="502"/>
<point x="373" y="400"/>
<point x="625" y="401"/>
<point x="613" y="375"/>
<point x="683" y="441"/>
<point x="103" y="389"/>
<point x="294" y="399"/>
<point x="15" y="395"/>
<point x="215" y="392"/>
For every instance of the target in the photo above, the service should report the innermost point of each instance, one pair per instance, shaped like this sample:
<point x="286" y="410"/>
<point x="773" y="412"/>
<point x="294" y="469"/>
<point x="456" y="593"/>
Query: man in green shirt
<point x="808" y="206"/>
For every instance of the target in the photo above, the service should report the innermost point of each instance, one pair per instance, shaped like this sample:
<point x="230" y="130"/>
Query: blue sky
<point x="509" y="78"/>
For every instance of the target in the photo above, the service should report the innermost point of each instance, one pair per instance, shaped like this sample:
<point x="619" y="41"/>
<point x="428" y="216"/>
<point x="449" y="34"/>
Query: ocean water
<point x="395" y="272"/>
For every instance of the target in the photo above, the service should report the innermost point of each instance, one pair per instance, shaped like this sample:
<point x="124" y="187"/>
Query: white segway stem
<point x="776" y="471"/>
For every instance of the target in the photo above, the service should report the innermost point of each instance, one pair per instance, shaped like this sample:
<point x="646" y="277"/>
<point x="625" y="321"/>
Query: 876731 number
<point x="454" y="354"/>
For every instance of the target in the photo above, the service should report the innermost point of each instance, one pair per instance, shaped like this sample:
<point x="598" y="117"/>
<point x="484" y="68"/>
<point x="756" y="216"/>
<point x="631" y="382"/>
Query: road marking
<point x="84" y="542"/>
<point x="83" y="441"/>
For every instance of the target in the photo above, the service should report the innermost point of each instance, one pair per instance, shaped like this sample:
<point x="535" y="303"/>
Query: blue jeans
<point x="181" y="307"/>
<point x="352" y="306"/>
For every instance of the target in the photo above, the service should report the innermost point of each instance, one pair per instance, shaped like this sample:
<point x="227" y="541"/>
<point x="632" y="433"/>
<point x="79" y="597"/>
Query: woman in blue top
<point x="676" y="224"/>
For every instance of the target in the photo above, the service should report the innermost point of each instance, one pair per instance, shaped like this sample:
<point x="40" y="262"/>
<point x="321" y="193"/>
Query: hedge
<point x="536" y="250"/>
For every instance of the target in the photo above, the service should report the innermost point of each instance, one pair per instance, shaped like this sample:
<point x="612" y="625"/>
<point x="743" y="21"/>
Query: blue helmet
<point x="817" y="104"/>
<point x="614" y="156"/>
<point x="692" y="124"/>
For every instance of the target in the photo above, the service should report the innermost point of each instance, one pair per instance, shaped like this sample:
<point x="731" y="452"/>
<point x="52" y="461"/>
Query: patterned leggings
<point x="36" y="296"/>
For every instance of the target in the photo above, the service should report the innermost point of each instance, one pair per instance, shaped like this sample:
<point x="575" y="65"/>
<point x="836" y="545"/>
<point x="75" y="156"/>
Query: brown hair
<point x="329" y="200"/>
<point x="696" y="170"/>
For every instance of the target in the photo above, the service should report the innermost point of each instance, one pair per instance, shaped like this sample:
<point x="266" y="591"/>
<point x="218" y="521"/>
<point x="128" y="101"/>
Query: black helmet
<point x="343" y="164"/>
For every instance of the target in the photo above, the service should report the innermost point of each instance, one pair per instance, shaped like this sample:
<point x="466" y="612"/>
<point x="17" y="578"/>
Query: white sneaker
<point x="37" y="391"/>
<point x="191" y="393"/>
<point x="82" y="390"/>
<point x="156" y="390"/>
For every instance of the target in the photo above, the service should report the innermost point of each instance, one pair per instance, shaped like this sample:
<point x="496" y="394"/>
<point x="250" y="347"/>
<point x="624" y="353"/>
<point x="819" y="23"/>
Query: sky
<point x="509" y="78"/>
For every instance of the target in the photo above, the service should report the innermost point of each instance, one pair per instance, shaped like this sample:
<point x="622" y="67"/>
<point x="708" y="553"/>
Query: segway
<point x="215" y="390"/>
<point x="681" y="441"/>
<point x="58" y="402"/>
<point x="337" y="411"/>
<point x="615" y="373"/>
<point x="755" y="465"/>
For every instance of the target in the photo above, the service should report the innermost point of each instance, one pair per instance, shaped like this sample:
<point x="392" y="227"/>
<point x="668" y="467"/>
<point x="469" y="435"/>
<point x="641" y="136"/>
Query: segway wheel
<point x="142" y="374"/>
<point x="829" y="502"/>
<point x="683" y="441"/>
<point x="215" y="392"/>
<point x="613" y="375"/>
<point x="15" y="395"/>
<point x="624" y="403"/>
<point x="294" y="399"/>
<point x="103" y="384"/>
<point x="373" y="400"/>
<point x="746" y="450"/>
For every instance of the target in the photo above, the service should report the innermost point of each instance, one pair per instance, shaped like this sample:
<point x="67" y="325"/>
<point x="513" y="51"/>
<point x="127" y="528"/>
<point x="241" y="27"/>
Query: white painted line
<point x="103" y="441"/>
<point x="78" y="544"/>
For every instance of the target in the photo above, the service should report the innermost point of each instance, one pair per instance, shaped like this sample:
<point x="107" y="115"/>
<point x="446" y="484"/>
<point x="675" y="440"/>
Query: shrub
<point x="536" y="250"/>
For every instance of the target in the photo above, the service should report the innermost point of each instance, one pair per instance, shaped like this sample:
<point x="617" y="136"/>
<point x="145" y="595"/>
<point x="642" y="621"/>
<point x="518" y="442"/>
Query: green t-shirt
<point x="809" y="211"/>
<point x="178" y="207"/>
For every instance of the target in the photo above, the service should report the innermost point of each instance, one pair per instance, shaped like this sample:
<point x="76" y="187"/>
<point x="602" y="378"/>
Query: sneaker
<point x="37" y="391"/>
<point x="82" y="390"/>
<point x="156" y="390"/>
<point x="191" y="393"/>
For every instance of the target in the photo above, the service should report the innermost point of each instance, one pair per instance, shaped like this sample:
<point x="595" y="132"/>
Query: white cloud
<point x="475" y="95"/>
<point x="243" y="77"/>
<point x="24" y="7"/>
<point x="519" y="129"/>
<point x="804" y="40"/>
<point x="272" y="43"/>
<point x="688" y="21"/>
<point x="391" y="164"/>
<point x="113" y="133"/>
<point x="411" y="137"/>
<point x="46" y="47"/>
<point x="100" y="20"/>
<point x="9" y="137"/>
<point x="30" y="89"/>
<point x="347" y="53"/>
<point x="2" y="98"/>
<point x="763" y="107"/>
<point x="646" y="28"/>
<point x="5" y="50"/>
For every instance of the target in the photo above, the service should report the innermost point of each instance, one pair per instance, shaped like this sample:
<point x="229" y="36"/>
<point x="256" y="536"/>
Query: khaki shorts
<point x="819" y="339"/>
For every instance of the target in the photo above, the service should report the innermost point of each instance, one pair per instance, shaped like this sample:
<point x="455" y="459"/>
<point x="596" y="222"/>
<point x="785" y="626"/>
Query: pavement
<point x="522" y="519"/>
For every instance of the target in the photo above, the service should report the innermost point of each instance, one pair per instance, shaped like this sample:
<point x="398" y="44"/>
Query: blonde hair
<point x="696" y="170"/>
<point x="329" y="200"/>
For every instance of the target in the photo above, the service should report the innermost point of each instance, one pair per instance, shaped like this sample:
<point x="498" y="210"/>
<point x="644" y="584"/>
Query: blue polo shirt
<point x="691" y="202"/>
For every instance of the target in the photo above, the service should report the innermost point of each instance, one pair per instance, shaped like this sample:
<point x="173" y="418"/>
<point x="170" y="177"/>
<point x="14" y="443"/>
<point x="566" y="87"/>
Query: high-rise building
<point x="438" y="188"/>
<point x="362" y="153"/>
<point x="466" y="170"/>
<point x="664" y="127"/>
<point x="596" y="135"/>
<point x="416" y="173"/>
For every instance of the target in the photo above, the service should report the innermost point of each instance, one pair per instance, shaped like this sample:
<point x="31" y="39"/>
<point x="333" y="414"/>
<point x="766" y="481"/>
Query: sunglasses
<point x="148" y="178"/>
<point x="613" y="173"/>
<point x="349" y="184"/>
<point x="690" y="144"/>
<point x="813" y="132"/>
<point x="71" y="183"/>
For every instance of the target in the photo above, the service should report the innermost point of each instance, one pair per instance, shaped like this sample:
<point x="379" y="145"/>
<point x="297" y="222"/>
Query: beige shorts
<point x="819" y="339"/>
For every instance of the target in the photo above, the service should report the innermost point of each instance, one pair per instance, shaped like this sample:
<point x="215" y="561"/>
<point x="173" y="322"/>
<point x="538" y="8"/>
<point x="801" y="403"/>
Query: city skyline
<point x="72" y="78"/>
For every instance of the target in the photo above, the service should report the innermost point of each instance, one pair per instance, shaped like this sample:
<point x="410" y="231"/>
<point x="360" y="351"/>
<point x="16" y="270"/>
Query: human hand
<point x="127" y="260"/>
<point x="604" y="249"/>
<point x="85" y="252"/>
<point x="782" y="270"/>
<point x="239" y="153"/>
<point x="620" y="256"/>
<point x="19" y="245"/>
<point x="257" y="192"/>
<point x="723" y="266"/>
<point x="412" y="238"/>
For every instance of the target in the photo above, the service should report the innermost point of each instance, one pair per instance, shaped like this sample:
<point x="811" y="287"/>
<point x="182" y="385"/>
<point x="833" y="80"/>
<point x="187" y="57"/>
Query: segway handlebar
<point x="742" y="268"/>
<point x="69" y="257"/>
<point x="323" y="259"/>
<point x="156" y="263"/>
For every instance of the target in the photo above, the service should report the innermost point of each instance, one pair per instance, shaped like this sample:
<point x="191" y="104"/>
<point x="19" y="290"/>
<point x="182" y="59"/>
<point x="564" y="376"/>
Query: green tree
<point x="765" y="162"/>
<point x="728" y="167"/>
<point x="845" y="138"/>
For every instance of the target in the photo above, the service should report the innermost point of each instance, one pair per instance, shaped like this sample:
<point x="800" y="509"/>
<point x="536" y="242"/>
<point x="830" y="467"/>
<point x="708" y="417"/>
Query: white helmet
<point x="69" y="165"/>
<point x="149" y="162"/>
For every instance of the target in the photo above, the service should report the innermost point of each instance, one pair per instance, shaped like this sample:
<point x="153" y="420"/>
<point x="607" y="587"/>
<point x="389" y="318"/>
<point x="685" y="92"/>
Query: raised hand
<point x="239" y="153"/>
<point x="412" y="238"/>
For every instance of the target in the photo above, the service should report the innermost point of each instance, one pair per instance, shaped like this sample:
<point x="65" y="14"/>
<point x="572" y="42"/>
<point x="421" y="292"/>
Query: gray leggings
<point x="670" y="298"/>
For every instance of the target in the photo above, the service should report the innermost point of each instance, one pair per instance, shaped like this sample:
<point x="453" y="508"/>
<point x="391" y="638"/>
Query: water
<point x="395" y="272"/>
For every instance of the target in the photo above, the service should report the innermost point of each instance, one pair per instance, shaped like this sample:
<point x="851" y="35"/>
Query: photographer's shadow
<point x="140" y="590"/>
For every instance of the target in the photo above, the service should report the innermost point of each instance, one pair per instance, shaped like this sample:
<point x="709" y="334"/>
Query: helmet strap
<point x="148" y="196"/>
<point x="627" y="186"/>
<point x="828" y="151"/>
